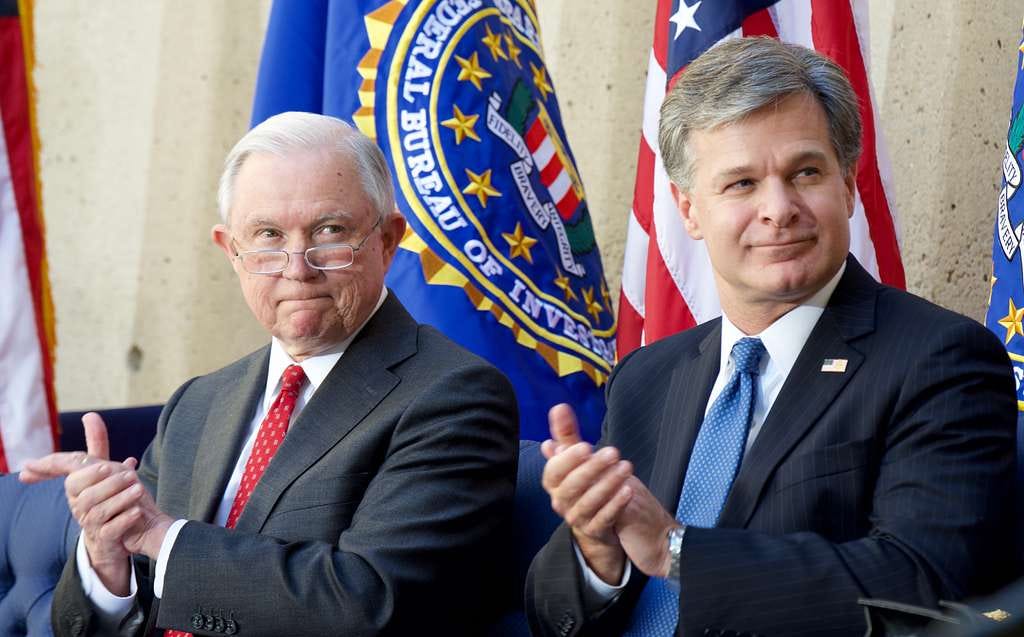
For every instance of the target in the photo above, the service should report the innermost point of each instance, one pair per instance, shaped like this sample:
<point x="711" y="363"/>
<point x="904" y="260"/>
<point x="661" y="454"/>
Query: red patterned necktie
<point x="268" y="439"/>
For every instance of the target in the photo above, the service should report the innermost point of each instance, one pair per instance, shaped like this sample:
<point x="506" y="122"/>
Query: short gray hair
<point x="729" y="82"/>
<point x="293" y="132"/>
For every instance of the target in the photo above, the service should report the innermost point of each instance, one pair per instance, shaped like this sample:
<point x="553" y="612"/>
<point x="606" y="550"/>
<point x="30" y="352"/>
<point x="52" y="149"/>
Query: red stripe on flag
<point x="630" y="328"/>
<point x="550" y="173"/>
<point x="568" y="204"/>
<point x="672" y="313"/>
<point x="17" y="126"/>
<point x="760" y="23"/>
<point x="661" y="27"/>
<point x="834" y="34"/>
<point x="675" y="78"/>
<point x="535" y="135"/>
<point x="643" y="192"/>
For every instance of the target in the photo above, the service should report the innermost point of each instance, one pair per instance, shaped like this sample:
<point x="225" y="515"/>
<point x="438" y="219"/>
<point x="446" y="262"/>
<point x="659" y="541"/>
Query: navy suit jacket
<point x="893" y="479"/>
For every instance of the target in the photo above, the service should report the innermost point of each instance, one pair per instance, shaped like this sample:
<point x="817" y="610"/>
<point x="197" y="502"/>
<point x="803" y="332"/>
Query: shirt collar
<point x="316" y="367"/>
<point x="785" y="338"/>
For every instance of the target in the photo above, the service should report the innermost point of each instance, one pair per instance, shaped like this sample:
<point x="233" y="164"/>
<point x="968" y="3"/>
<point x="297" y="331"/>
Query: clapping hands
<point x="117" y="514"/>
<point x="612" y="514"/>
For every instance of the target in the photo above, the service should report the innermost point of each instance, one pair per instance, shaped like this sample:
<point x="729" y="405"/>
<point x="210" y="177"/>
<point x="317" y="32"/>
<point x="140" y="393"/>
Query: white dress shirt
<point x="783" y="341"/>
<point x="110" y="608"/>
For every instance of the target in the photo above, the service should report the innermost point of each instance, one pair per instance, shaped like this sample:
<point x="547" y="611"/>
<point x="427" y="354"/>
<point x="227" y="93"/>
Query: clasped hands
<point x="612" y="514"/>
<point x="117" y="514"/>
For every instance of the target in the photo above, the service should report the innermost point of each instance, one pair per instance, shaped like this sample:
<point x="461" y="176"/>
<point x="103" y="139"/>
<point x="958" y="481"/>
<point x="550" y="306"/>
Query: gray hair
<point x="293" y="132"/>
<point x="731" y="81"/>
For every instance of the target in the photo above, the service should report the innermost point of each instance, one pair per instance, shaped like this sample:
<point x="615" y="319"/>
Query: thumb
<point x="562" y="422"/>
<point x="96" y="443"/>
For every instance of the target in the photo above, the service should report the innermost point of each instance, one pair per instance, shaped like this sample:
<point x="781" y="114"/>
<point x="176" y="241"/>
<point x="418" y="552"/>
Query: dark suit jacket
<point x="892" y="480"/>
<point x="380" y="514"/>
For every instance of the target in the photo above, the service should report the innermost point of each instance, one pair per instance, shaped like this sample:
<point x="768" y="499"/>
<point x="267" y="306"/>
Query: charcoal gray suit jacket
<point x="893" y="479"/>
<point x="380" y="514"/>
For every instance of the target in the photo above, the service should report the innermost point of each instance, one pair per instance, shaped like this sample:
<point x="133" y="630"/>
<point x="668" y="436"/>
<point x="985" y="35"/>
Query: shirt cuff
<point x="110" y="609"/>
<point x="596" y="592"/>
<point x="165" y="552"/>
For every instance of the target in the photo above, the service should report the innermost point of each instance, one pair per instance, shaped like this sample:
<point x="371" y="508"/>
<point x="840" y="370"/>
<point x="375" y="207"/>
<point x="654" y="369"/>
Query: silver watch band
<point x="675" y="548"/>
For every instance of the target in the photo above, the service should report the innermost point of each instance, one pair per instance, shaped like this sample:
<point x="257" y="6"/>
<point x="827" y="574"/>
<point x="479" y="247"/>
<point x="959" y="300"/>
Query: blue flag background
<point x="1006" y="303"/>
<point x="500" y="253"/>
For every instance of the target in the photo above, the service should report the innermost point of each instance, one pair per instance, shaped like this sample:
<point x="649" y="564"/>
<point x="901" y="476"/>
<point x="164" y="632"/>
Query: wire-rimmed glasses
<point x="332" y="256"/>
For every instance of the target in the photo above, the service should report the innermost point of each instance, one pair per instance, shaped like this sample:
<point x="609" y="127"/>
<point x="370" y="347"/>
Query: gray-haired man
<point x="827" y="439"/>
<point x="352" y="478"/>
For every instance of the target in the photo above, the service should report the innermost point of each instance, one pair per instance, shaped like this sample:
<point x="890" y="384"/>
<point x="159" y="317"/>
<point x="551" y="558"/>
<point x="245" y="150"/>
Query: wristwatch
<point x="675" y="547"/>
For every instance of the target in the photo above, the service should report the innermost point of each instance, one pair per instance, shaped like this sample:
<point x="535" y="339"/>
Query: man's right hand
<point x="102" y="496"/>
<point x="589" y="490"/>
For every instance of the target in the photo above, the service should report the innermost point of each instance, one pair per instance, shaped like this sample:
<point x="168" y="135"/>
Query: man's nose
<point x="298" y="269"/>
<point x="780" y="203"/>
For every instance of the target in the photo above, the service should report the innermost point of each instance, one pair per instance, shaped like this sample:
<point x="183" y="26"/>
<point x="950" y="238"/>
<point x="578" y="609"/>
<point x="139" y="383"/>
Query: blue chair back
<point x="130" y="429"/>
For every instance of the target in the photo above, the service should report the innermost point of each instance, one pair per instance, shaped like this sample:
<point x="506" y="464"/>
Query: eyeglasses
<point x="333" y="256"/>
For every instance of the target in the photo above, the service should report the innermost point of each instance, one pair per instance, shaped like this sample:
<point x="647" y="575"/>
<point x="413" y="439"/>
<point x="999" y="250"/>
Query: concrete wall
<point x="139" y="102"/>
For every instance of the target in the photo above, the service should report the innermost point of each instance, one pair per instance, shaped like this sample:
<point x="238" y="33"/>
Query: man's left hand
<point x="643" y="530"/>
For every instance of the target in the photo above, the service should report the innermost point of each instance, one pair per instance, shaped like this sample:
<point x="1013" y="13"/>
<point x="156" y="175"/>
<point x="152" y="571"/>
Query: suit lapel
<point x="684" y="412"/>
<point x="355" y="386"/>
<point x="223" y="434"/>
<point x="808" y="391"/>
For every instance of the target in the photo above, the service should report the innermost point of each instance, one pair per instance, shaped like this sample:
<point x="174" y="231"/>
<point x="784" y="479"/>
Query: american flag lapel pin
<point x="834" y="365"/>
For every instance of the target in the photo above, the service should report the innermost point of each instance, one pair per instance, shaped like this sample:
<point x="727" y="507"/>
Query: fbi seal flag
<point x="1006" y="302"/>
<point x="500" y="251"/>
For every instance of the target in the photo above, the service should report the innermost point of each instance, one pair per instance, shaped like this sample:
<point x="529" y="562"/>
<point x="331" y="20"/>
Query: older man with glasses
<point x="350" y="478"/>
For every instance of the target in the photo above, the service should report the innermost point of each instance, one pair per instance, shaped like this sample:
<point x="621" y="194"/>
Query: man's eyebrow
<point x="733" y="171"/>
<point x="339" y="215"/>
<point x="808" y="155"/>
<point x="260" y="221"/>
<point x="745" y="169"/>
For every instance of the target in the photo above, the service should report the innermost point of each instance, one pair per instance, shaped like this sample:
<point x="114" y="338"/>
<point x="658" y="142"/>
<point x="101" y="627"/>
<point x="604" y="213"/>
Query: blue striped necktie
<point x="713" y="465"/>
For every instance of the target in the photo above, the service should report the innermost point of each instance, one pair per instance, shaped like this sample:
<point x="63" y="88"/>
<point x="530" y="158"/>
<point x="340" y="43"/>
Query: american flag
<point x="667" y="284"/>
<point x="28" y="415"/>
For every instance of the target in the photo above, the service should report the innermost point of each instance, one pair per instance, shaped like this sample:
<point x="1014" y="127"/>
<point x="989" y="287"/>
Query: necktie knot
<point x="746" y="355"/>
<point x="292" y="379"/>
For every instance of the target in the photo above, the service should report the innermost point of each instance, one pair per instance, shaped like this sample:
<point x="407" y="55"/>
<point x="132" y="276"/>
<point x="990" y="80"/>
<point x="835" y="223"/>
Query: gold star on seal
<point x="462" y="124"/>
<point x="513" y="49"/>
<point x="493" y="43"/>
<point x="471" y="70"/>
<point x="540" y="80"/>
<point x="606" y="296"/>
<point x="480" y="185"/>
<point x="593" y="307"/>
<point x="519" y="244"/>
<point x="562" y="283"/>
<point x="1021" y="49"/>
<point x="1012" y="322"/>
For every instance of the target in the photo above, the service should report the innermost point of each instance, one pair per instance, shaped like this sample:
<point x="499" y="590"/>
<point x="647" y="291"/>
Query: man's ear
<point x="222" y="238"/>
<point x="392" y="230"/>
<point x="850" y="181"/>
<point x="684" y="203"/>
